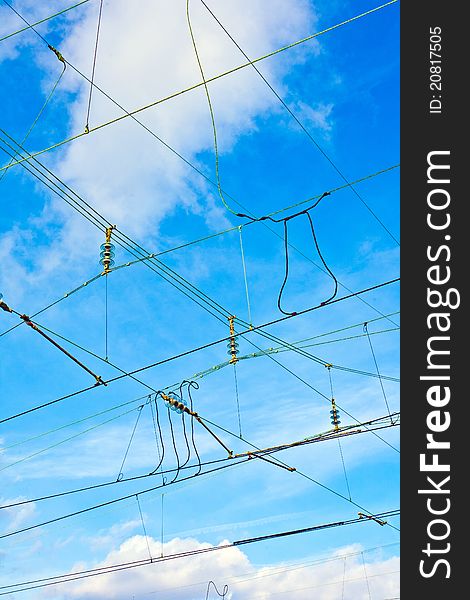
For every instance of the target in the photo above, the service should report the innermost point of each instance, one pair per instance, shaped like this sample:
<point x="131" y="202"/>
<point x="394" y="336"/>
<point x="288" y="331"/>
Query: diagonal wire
<point x="366" y="330"/>
<point x="143" y="526"/>
<point x="130" y="442"/>
<point x="93" y="68"/>
<point x="302" y="126"/>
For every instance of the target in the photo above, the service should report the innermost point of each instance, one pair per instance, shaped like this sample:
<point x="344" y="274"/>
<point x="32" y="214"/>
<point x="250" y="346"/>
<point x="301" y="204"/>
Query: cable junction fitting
<point x="372" y="518"/>
<point x="179" y="405"/>
<point x="334" y="415"/>
<point x="107" y="251"/>
<point x="232" y="345"/>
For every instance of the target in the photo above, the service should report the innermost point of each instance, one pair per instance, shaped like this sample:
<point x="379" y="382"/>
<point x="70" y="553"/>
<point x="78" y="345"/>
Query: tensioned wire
<point x="195" y="376"/>
<point x="57" y="14"/>
<point x="291" y="113"/>
<point x="167" y="145"/>
<point x="274" y="570"/>
<point x="204" y="346"/>
<point x="185" y="284"/>
<point x="379" y="423"/>
<point x="38" y="116"/>
<point x="251" y="328"/>
<point x="195" y="86"/>
<point x="163" y="485"/>
<point x="197" y="241"/>
<point x="124" y="566"/>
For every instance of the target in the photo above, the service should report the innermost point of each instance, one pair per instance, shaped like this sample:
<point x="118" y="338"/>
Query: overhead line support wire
<point x="57" y="579"/>
<point x="301" y="125"/>
<point x="195" y="86"/>
<point x="203" y="347"/>
<point x="344" y="431"/>
<point x="33" y="326"/>
<point x="33" y="25"/>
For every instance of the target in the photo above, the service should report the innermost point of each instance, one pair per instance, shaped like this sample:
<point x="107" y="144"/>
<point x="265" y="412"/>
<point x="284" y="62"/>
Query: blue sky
<point x="344" y="87"/>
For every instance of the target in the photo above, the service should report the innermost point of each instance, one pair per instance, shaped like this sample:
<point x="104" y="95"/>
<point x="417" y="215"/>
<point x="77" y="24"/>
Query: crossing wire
<point x="57" y="14"/>
<point x="302" y="126"/>
<point x="47" y="581"/>
<point x="38" y="116"/>
<point x="95" y="53"/>
<point x="162" y="141"/>
<point x="200" y="295"/>
<point x="198" y="85"/>
<point x="348" y="430"/>
<point x="197" y="349"/>
<point x="199" y="240"/>
<point x="366" y="330"/>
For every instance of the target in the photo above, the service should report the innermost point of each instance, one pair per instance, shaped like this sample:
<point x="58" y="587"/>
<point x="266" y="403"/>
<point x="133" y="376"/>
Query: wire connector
<point x="107" y="251"/>
<point x="372" y="518"/>
<point x="232" y="346"/>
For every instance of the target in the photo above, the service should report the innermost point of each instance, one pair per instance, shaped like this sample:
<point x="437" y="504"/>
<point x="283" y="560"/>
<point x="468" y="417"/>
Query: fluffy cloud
<point x="187" y="578"/>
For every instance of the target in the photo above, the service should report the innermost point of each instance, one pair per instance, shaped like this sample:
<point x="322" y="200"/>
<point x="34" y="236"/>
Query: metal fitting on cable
<point x="334" y="415"/>
<point x="232" y="346"/>
<point x="175" y="403"/>
<point x="107" y="251"/>
<point x="3" y="305"/>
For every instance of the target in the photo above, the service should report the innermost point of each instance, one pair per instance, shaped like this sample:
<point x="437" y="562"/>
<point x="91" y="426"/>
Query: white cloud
<point x="187" y="578"/>
<point x="16" y="516"/>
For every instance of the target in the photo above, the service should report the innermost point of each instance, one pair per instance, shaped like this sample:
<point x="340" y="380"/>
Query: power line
<point x="95" y="53"/>
<point x="33" y="25"/>
<point x="163" y="142"/>
<point x="197" y="241"/>
<point x="302" y="126"/>
<point x="47" y="581"/>
<point x="197" y="85"/>
<point x="202" y="347"/>
<point x="345" y="431"/>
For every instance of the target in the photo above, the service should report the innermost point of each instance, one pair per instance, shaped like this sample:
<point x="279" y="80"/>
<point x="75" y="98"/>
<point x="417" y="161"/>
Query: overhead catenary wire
<point x="152" y="133"/>
<point x="345" y="431"/>
<point x="38" y="116"/>
<point x="193" y="350"/>
<point x="44" y="20"/>
<point x="302" y="126"/>
<point x="366" y="330"/>
<point x="183" y="425"/>
<point x="47" y="581"/>
<point x="95" y="54"/>
<point x="197" y="241"/>
<point x="209" y="80"/>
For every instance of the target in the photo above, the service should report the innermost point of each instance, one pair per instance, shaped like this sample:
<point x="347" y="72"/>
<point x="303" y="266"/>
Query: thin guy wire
<point x="130" y="442"/>
<point x="93" y="68"/>
<point x="365" y="573"/>
<point x="38" y="116"/>
<point x="106" y="316"/>
<point x="344" y="576"/>
<point x="366" y="329"/>
<point x="339" y="442"/>
<point x="57" y="14"/>
<point x="143" y="526"/>
<point x="238" y="400"/>
<point x="250" y="320"/>
<point x="211" y="111"/>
